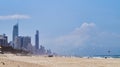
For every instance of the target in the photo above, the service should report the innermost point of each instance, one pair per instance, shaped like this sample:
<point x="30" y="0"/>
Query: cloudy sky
<point x="68" y="27"/>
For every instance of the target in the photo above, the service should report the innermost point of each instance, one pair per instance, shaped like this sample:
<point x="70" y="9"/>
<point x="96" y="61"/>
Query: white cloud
<point x="15" y="16"/>
<point x="78" y="36"/>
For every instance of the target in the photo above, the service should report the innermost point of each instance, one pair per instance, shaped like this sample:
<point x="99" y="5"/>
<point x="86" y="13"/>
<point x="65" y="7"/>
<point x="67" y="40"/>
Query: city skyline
<point x="87" y="27"/>
<point x="23" y="43"/>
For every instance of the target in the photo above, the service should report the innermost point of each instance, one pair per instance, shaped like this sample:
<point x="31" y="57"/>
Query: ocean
<point x="100" y="56"/>
<point x="108" y="56"/>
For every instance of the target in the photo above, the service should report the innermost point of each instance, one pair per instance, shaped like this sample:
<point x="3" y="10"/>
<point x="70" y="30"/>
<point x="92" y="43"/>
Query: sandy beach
<point x="9" y="60"/>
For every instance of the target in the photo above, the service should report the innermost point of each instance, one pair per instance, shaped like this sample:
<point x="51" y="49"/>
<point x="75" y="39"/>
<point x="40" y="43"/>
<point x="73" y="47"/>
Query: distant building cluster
<point x="23" y="42"/>
<point x="3" y="40"/>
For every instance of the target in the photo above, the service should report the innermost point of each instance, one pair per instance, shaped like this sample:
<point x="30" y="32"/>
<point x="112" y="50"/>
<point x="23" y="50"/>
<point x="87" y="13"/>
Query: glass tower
<point x="37" y="40"/>
<point x="15" y="31"/>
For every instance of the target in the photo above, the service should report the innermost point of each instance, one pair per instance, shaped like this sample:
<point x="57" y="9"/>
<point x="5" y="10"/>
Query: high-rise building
<point x="26" y="41"/>
<point x="18" y="42"/>
<point x="15" y="31"/>
<point x="37" y="40"/>
<point x="3" y="40"/>
<point x="22" y="42"/>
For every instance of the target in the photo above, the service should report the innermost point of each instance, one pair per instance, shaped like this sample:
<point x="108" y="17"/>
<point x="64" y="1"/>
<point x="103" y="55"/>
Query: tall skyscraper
<point x="15" y="31"/>
<point x="37" y="40"/>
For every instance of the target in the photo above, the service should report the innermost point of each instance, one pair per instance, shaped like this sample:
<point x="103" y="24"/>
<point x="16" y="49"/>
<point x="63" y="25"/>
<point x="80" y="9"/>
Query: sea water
<point x="100" y="56"/>
<point x="108" y="56"/>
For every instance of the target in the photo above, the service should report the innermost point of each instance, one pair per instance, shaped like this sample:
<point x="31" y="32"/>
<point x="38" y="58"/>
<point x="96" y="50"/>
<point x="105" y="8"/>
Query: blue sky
<point x="58" y="19"/>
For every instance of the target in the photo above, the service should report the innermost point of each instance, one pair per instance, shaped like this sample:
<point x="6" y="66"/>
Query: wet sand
<point x="41" y="61"/>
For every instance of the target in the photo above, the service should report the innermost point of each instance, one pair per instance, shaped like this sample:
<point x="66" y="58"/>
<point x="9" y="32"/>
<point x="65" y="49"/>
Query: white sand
<point x="40" y="61"/>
